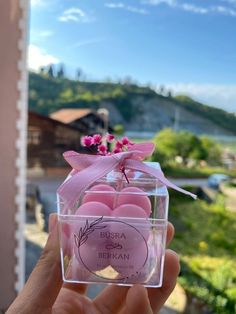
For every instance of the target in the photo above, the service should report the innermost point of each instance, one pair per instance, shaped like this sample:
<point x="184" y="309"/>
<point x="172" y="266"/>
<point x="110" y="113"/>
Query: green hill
<point x="221" y="117"/>
<point x="131" y="101"/>
<point x="47" y="95"/>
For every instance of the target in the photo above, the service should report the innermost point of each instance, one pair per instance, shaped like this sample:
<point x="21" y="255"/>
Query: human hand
<point x="45" y="292"/>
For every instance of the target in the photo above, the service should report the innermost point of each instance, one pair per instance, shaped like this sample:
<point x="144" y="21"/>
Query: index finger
<point x="44" y="283"/>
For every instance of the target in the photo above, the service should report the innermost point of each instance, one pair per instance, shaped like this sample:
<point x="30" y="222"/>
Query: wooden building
<point x="87" y="121"/>
<point x="48" y="139"/>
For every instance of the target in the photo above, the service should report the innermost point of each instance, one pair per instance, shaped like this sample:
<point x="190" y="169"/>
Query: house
<point x="48" y="139"/>
<point x="85" y="120"/>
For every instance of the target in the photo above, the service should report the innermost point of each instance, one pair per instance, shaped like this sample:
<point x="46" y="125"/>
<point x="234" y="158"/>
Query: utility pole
<point x="104" y="114"/>
<point x="176" y="119"/>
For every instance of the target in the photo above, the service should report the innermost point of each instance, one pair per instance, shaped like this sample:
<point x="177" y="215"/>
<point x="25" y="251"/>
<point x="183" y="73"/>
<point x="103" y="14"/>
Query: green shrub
<point x="205" y="240"/>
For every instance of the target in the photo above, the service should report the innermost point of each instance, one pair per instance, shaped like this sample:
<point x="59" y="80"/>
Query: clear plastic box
<point x="114" y="248"/>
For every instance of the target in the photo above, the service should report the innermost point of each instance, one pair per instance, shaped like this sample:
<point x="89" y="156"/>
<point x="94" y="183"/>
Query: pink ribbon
<point x="89" y="168"/>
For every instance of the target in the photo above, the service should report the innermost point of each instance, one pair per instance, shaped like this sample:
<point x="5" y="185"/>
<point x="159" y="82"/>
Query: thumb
<point x="44" y="283"/>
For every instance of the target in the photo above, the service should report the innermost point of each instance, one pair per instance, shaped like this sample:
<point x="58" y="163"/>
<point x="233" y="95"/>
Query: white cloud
<point x="129" y="8"/>
<point x="170" y="3"/>
<point x="194" y="8"/>
<point x="190" y="7"/>
<point x="221" y="96"/>
<point x="38" y="57"/>
<point x="136" y="10"/>
<point x="118" y="5"/>
<point x="230" y="1"/>
<point x="175" y="4"/>
<point x="74" y="15"/>
<point x="224" y="10"/>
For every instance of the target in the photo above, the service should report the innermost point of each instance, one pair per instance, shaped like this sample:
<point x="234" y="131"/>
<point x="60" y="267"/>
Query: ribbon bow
<point x="89" y="168"/>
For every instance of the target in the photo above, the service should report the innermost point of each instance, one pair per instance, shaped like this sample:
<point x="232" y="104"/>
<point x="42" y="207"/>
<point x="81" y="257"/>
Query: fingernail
<point x="52" y="222"/>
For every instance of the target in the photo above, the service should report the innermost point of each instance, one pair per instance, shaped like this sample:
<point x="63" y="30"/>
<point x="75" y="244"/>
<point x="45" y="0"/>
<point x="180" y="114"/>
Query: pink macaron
<point x="78" y="271"/>
<point x="75" y="270"/>
<point x="130" y="263"/>
<point x="100" y="193"/>
<point x="131" y="196"/>
<point x="92" y="257"/>
<point x="130" y="231"/>
<point x="91" y="232"/>
<point x="93" y="208"/>
<point x="129" y="210"/>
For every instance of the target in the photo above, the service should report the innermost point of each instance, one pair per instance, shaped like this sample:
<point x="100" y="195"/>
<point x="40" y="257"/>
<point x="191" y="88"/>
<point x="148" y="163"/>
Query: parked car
<point x="216" y="179"/>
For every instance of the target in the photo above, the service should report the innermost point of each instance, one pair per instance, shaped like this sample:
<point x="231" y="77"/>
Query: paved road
<point x="192" y="182"/>
<point x="47" y="188"/>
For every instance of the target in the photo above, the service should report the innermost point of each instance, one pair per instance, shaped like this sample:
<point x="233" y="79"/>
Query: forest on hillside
<point x="48" y="94"/>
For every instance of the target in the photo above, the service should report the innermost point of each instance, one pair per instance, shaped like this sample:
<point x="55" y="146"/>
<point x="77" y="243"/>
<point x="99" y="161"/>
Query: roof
<point x="69" y="115"/>
<point x="55" y="122"/>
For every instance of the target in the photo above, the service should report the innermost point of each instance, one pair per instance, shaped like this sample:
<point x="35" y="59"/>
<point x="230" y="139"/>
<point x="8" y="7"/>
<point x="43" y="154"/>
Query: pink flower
<point x="110" y="138"/>
<point x="87" y="141"/>
<point x="119" y="145"/>
<point x="117" y="150"/>
<point x="102" y="149"/>
<point x="125" y="140"/>
<point x="97" y="138"/>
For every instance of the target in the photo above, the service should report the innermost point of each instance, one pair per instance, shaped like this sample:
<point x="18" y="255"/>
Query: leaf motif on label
<point x="87" y="230"/>
<point x="86" y="227"/>
<point x="84" y="240"/>
<point x="96" y="221"/>
<point x="76" y="240"/>
<point x="80" y="233"/>
<point x="100" y="227"/>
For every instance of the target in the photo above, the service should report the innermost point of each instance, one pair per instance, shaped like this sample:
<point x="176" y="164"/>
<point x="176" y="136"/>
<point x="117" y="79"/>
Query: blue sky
<point x="186" y="45"/>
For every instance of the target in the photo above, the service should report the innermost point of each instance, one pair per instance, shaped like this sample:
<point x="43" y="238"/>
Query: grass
<point x="205" y="240"/>
<point x="231" y="146"/>
<point x="230" y="184"/>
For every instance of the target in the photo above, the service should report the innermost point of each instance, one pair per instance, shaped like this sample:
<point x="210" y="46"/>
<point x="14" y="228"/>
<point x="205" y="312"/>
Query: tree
<point x="42" y="70"/>
<point x="170" y="144"/>
<point x="61" y="71"/>
<point x="213" y="151"/>
<point x="162" y="89"/>
<point x="118" y="129"/>
<point x="66" y="95"/>
<point x="79" y="74"/>
<point x="166" y="147"/>
<point x="128" y="80"/>
<point x="51" y="71"/>
<point x="169" y="93"/>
